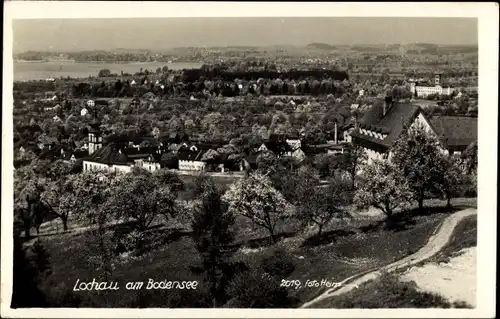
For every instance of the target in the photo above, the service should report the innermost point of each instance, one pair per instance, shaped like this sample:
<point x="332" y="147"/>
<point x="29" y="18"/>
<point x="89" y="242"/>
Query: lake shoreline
<point x="102" y="62"/>
<point x="35" y="71"/>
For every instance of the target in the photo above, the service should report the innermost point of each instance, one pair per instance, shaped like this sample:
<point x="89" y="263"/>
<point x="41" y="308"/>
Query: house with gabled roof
<point x="455" y="133"/>
<point x="108" y="158"/>
<point x="384" y="123"/>
<point x="190" y="158"/>
<point x="78" y="154"/>
<point x="278" y="147"/>
<point x="116" y="158"/>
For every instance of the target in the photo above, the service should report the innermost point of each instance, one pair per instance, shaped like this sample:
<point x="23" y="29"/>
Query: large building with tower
<point x="425" y="90"/>
<point x="115" y="159"/>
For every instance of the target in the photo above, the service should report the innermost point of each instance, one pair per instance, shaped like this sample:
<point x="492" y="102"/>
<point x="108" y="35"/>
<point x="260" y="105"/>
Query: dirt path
<point x="436" y="242"/>
<point x="454" y="280"/>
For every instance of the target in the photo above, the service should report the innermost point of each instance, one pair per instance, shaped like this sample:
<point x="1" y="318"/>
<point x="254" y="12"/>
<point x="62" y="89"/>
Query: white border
<point x="487" y="13"/>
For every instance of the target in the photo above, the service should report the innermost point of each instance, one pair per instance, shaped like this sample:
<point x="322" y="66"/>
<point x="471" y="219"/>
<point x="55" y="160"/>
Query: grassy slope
<point x="361" y="249"/>
<point x="388" y="292"/>
<point x="334" y="256"/>
<point x="464" y="236"/>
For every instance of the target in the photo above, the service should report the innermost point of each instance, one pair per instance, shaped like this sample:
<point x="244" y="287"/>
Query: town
<point x="187" y="150"/>
<point x="351" y="165"/>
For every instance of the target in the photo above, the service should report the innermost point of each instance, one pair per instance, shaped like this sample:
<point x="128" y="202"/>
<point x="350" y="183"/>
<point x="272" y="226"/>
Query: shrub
<point x="252" y="289"/>
<point x="278" y="263"/>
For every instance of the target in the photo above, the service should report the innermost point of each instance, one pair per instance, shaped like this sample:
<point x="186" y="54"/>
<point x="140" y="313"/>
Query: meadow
<point x="345" y="248"/>
<point x="26" y="71"/>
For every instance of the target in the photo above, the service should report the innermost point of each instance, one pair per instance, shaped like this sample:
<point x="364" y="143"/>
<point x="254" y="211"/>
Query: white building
<point x="187" y="165"/>
<point x="424" y="91"/>
<point x="190" y="159"/>
<point x="110" y="158"/>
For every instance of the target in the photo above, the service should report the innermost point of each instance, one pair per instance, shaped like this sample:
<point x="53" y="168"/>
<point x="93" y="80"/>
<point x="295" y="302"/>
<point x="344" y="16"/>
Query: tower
<point x="413" y="87"/>
<point x="95" y="138"/>
<point x="437" y="79"/>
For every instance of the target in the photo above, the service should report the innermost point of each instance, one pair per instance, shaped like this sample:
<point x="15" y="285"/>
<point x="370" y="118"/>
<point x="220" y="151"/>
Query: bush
<point x="278" y="263"/>
<point x="62" y="296"/>
<point x="252" y="289"/>
<point x="131" y="241"/>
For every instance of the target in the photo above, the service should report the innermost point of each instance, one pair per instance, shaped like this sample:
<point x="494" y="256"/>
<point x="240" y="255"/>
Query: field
<point x="25" y="71"/>
<point x="345" y="248"/>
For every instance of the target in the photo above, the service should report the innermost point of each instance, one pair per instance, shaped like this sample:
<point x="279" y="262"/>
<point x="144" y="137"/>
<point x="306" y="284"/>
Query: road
<point x="436" y="242"/>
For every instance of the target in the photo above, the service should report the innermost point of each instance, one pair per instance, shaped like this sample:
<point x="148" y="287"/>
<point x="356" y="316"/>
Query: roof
<point x="94" y="125"/>
<point x="456" y="132"/>
<point x="398" y="116"/>
<point x="101" y="102"/>
<point x="150" y="140"/>
<point x="32" y="147"/>
<point x="175" y="147"/>
<point x="138" y="153"/>
<point x="174" y="136"/>
<point x="80" y="153"/>
<point x="187" y="155"/>
<point x="108" y="155"/>
<point x="77" y="166"/>
<point x="278" y="146"/>
<point x="45" y="139"/>
<point x="311" y="150"/>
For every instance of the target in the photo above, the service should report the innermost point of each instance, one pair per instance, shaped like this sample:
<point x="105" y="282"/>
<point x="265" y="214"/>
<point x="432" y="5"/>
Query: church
<point x="115" y="159"/>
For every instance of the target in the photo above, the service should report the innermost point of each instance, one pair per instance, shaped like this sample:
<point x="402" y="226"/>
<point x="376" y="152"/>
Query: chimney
<point x="335" y="136"/>
<point x="387" y="104"/>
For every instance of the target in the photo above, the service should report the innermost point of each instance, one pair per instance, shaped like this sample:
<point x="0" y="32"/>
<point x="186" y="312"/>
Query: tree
<point x="384" y="187"/>
<point x="212" y="231"/>
<point x="41" y="259"/>
<point x="28" y="186"/>
<point x="171" y="179"/>
<point x="140" y="197"/>
<point x="254" y="197"/>
<point x="298" y="186"/>
<point x="104" y="73"/>
<point x="453" y="178"/>
<point x="170" y="160"/>
<point x="324" y="163"/>
<point x="266" y="162"/>
<point x="417" y="154"/>
<point x="25" y="290"/>
<point x="251" y="289"/>
<point x="156" y="132"/>
<point x="325" y="204"/>
<point x="259" y="286"/>
<point x="350" y="161"/>
<point x="210" y="155"/>
<point x="470" y="158"/>
<point x="92" y="191"/>
<point x="200" y="183"/>
<point x="60" y="199"/>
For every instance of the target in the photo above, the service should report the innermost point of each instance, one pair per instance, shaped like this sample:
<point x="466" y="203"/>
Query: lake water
<point x="25" y="71"/>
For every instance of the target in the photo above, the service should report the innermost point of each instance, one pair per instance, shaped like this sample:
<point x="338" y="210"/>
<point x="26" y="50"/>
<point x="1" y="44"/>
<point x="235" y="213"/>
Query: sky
<point x="166" y="33"/>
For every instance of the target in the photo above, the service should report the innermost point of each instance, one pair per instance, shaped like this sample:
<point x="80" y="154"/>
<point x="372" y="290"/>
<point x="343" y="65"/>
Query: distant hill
<point x="322" y="46"/>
